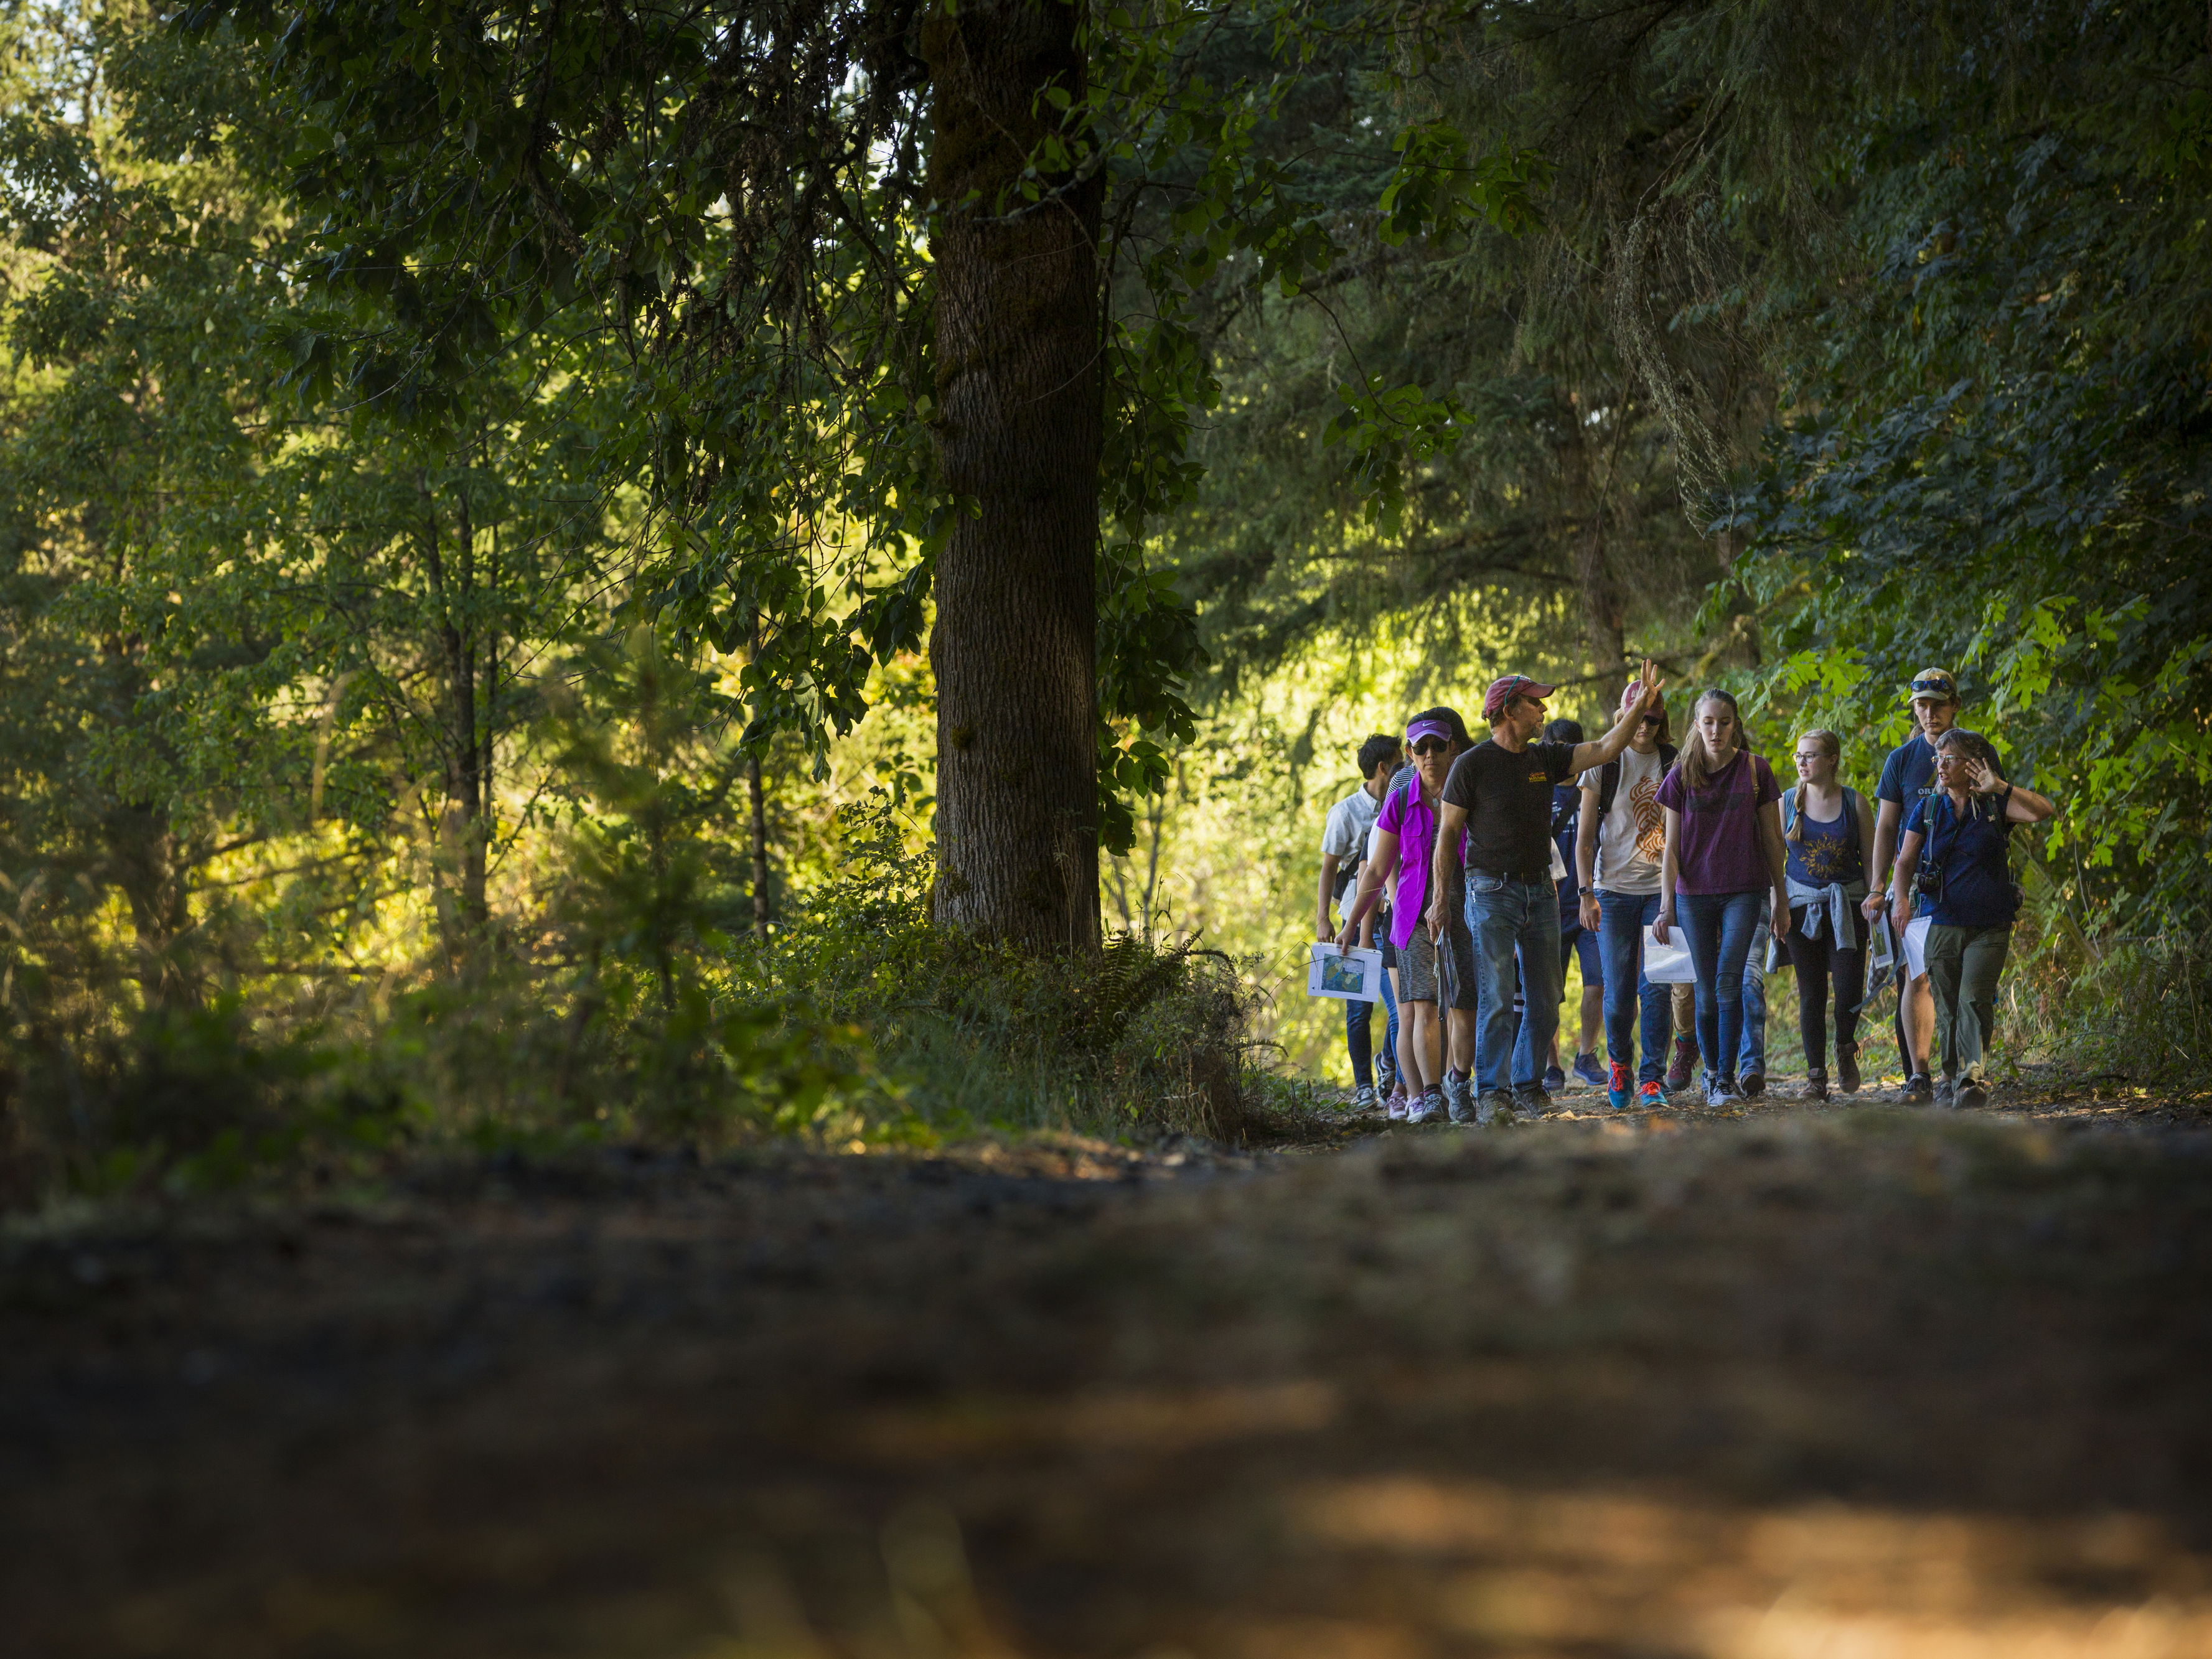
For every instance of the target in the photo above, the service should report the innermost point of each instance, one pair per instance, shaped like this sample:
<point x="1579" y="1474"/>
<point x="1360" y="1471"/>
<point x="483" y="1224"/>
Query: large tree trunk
<point x="1018" y="433"/>
<point x="463" y="898"/>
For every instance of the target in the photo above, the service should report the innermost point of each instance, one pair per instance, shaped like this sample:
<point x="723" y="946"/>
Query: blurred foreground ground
<point x="1850" y="1382"/>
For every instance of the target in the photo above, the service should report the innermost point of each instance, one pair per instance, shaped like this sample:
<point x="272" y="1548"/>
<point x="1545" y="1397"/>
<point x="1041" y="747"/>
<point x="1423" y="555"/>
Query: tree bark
<point x="1018" y="434"/>
<point x="465" y="904"/>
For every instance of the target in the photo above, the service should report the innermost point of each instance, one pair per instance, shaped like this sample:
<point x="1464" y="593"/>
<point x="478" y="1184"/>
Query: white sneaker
<point x="1397" y="1109"/>
<point x="1429" y="1109"/>
<point x="1363" y="1098"/>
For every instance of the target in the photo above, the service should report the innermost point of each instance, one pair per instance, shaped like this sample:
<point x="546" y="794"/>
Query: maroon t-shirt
<point x="1717" y="850"/>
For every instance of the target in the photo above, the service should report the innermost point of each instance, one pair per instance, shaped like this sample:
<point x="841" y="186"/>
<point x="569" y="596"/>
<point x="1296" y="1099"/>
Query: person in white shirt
<point x="1620" y="844"/>
<point x="1343" y="849"/>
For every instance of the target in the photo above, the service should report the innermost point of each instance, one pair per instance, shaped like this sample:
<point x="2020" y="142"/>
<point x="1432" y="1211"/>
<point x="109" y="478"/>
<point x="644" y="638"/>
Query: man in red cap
<point x="1499" y="795"/>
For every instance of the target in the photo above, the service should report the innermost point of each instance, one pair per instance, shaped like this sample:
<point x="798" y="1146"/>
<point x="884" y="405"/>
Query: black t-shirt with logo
<point x="1508" y="798"/>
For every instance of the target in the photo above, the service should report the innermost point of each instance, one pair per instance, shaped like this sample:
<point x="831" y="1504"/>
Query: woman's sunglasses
<point x="1428" y="746"/>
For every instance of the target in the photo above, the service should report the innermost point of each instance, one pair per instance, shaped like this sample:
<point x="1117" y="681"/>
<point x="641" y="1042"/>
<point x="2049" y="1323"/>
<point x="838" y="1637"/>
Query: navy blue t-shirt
<point x="1978" y="891"/>
<point x="1568" y="797"/>
<point x="1908" y="774"/>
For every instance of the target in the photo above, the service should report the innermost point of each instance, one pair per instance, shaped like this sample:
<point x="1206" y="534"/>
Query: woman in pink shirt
<point x="1404" y="833"/>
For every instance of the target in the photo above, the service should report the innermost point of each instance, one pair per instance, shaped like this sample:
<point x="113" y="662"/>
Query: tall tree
<point x="1019" y="431"/>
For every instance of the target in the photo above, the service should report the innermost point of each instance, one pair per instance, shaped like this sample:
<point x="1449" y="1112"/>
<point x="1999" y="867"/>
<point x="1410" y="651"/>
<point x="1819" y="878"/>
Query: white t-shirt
<point x="1631" y="841"/>
<point x="1347" y="835"/>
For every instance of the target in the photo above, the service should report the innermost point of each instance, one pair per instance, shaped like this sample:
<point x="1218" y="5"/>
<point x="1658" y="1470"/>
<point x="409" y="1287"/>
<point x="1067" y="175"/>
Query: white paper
<point x="1878" y="955"/>
<point x="1353" y="975"/>
<point x="1669" y="963"/>
<point x="1559" y="864"/>
<point x="1916" y="944"/>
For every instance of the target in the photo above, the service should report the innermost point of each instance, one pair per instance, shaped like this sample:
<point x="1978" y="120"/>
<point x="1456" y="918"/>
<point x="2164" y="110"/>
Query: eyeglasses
<point x="1428" y="746"/>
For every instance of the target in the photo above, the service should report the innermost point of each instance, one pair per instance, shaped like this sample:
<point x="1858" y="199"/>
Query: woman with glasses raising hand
<point x="1953" y="855"/>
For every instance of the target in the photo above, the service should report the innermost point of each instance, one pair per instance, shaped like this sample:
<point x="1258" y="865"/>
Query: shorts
<point x="1417" y="963"/>
<point x="1584" y="940"/>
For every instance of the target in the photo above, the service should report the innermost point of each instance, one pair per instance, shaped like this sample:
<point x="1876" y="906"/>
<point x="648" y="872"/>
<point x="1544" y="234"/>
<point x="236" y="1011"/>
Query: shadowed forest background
<point x="473" y="532"/>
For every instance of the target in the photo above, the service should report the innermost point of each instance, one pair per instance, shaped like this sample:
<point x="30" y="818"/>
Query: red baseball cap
<point x="1504" y="691"/>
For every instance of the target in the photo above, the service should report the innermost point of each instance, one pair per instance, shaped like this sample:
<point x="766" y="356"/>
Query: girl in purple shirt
<point x="1405" y="832"/>
<point x="1724" y="856"/>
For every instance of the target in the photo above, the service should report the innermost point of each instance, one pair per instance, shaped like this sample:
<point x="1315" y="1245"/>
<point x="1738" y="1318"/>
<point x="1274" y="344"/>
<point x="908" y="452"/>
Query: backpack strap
<point x="1608" y="785"/>
<point x="1789" y="811"/>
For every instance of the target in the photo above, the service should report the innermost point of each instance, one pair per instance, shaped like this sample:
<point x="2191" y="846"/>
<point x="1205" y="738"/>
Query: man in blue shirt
<point x="1907" y="776"/>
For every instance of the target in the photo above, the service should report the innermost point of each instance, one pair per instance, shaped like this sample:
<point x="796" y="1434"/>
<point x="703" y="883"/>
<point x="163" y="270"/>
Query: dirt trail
<point x="1839" y="1383"/>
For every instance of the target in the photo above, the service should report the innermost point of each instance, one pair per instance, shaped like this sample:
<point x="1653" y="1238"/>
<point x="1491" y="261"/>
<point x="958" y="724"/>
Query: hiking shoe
<point x="1554" y="1078"/>
<point x="1495" y="1106"/>
<point x="1386" y="1079"/>
<point x="1919" y="1089"/>
<point x="1752" y="1084"/>
<point x="1363" y="1098"/>
<point x="1586" y="1069"/>
<point x="1396" y="1111"/>
<point x="1678" y="1069"/>
<point x="1650" y="1095"/>
<point x="1847" y="1071"/>
<point x="1816" y="1083"/>
<point x="1972" y="1093"/>
<point x="1429" y="1109"/>
<point x="1532" y="1102"/>
<point x="1459" y="1096"/>
<point x="1947" y="1091"/>
<point x="1617" y="1087"/>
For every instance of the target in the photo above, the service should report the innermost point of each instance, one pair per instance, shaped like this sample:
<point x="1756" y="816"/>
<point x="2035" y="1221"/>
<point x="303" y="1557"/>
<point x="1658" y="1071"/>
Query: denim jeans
<point x="1359" y="1035"/>
<point x="1622" y="918"/>
<point x="1751" y="1053"/>
<point x="1505" y="914"/>
<point x="1719" y="929"/>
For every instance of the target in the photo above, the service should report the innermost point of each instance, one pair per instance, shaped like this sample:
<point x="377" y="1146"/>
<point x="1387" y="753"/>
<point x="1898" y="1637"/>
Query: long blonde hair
<point x="1695" y="763"/>
<point x="1833" y="747"/>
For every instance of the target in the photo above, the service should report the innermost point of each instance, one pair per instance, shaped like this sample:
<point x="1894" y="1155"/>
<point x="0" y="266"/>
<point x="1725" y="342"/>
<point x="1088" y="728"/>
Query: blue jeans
<point x="1751" y="1053"/>
<point x="1719" y="929"/>
<point x="1622" y="918"/>
<point x="1359" y="1035"/>
<point x="1506" y="915"/>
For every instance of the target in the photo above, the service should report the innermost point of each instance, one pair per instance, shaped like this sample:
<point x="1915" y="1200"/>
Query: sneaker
<point x="1752" y="1084"/>
<point x="1947" y="1091"/>
<point x="1816" y="1083"/>
<point x="1495" y="1106"/>
<point x="1459" y="1096"/>
<point x="1678" y="1069"/>
<point x="1586" y="1069"/>
<point x="1532" y="1102"/>
<point x="1617" y="1087"/>
<point x="1722" y="1090"/>
<point x="1396" y="1112"/>
<point x="1429" y="1109"/>
<point x="1386" y="1078"/>
<point x="1972" y="1093"/>
<point x="1847" y="1071"/>
<point x="1363" y="1098"/>
<point x="1651" y="1096"/>
<point x="1919" y="1090"/>
<point x="1554" y="1078"/>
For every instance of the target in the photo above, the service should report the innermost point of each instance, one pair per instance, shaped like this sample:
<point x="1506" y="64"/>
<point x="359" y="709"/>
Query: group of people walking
<point x="1476" y="866"/>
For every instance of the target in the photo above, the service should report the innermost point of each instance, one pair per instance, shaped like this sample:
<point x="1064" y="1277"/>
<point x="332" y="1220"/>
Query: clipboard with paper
<point x="1353" y="975"/>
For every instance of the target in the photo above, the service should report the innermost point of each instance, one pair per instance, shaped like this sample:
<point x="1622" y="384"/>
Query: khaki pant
<point x="1964" y="965"/>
